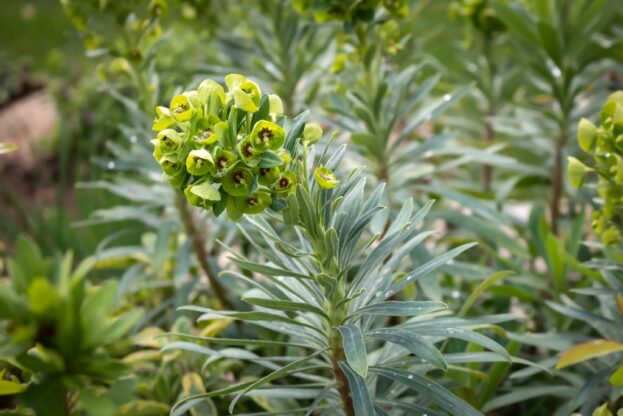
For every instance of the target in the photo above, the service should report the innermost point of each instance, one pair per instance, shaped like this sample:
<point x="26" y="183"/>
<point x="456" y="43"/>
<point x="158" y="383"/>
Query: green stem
<point x="557" y="177"/>
<point x="336" y="317"/>
<point x="487" y="170"/>
<point x="198" y="245"/>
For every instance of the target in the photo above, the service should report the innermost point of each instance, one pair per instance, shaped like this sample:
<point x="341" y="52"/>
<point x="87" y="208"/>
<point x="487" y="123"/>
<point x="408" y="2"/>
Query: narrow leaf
<point x="354" y="349"/>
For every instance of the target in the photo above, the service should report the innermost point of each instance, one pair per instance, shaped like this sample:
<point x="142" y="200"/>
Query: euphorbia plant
<point x="60" y="336"/>
<point x="326" y="294"/>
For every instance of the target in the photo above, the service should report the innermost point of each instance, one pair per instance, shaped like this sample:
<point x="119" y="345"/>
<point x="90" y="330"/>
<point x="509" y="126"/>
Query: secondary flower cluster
<point x="605" y="144"/>
<point x="349" y="11"/>
<point x="225" y="149"/>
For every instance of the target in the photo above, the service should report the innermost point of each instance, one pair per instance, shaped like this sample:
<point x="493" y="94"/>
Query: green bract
<point x="202" y="194"/>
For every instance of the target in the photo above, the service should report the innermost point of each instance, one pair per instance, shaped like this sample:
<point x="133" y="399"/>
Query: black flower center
<point x="238" y="178"/>
<point x="222" y="162"/>
<point x="265" y="133"/>
<point x="247" y="150"/>
<point x="284" y="182"/>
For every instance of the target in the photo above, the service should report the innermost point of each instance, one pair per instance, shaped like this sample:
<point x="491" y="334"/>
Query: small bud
<point x="325" y="178"/>
<point x="275" y="105"/>
<point x="312" y="133"/>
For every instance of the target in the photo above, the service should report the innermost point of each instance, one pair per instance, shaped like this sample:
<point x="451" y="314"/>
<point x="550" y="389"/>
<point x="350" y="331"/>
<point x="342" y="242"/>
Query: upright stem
<point x="198" y="245"/>
<point x="342" y="388"/>
<point x="487" y="170"/>
<point x="336" y="317"/>
<point x="557" y="178"/>
<point x="340" y="377"/>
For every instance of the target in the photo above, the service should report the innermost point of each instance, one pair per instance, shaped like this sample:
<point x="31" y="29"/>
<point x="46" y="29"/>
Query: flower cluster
<point x="225" y="149"/>
<point x="480" y="15"/>
<point x="605" y="144"/>
<point x="349" y="11"/>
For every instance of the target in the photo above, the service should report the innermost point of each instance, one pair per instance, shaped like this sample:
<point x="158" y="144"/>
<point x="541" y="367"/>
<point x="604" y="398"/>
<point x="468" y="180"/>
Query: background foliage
<point x="496" y="110"/>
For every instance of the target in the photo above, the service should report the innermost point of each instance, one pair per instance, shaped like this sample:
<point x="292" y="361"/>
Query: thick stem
<point x="557" y="181"/>
<point x="198" y="245"/>
<point x="342" y="381"/>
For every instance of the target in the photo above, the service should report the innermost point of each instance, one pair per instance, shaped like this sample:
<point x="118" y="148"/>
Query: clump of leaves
<point x="229" y="150"/>
<point x="605" y="145"/>
<point x="59" y="336"/>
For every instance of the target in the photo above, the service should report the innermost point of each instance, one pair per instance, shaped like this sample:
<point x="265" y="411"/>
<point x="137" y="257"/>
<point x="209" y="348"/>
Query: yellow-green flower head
<point x="223" y="160"/>
<point x="180" y="108"/>
<point x="238" y="181"/>
<point x="253" y="204"/>
<point x="246" y="94"/>
<point x="168" y="141"/>
<point x="202" y="194"/>
<point x="605" y="144"/>
<point x="268" y="176"/>
<point x="199" y="162"/>
<point x="286" y="184"/>
<point x="325" y="178"/>
<point x="267" y="135"/>
<point x="311" y="133"/>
